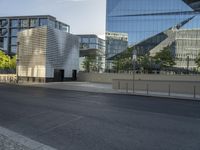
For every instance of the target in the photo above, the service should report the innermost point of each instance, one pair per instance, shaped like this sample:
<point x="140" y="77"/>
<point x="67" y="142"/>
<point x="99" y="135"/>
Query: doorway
<point x="58" y="75"/>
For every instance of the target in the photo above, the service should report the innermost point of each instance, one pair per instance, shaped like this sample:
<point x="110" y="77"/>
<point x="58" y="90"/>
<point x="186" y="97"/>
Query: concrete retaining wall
<point x="148" y="83"/>
<point x="8" y="78"/>
<point x="169" y="87"/>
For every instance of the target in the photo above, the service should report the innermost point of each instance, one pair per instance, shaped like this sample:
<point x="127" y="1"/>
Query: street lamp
<point x="188" y="63"/>
<point x="134" y="59"/>
<point x="17" y="63"/>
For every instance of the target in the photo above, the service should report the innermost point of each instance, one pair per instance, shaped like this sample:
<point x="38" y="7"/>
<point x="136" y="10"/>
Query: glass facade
<point x="10" y="26"/>
<point x="14" y="32"/>
<point x="3" y="23"/>
<point x="152" y="25"/>
<point x="14" y="41"/>
<point x="91" y="45"/>
<point x="33" y="22"/>
<point x="43" y="22"/>
<point x="14" y="23"/>
<point x="24" y="23"/>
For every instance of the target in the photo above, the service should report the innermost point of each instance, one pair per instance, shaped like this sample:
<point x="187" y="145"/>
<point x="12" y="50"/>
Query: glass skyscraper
<point x="152" y="25"/>
<point x="10" y="26"/>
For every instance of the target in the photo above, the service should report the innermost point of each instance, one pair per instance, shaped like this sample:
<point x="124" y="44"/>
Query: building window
<point x="93" y="46"/>
<point x="14" y="23"/>
<point x="3" y="32"/>
<point x="33" y="22"/>
<point x="24" y="23"/>
<point x="52" y="23"/>
<point x="57" y="25"/>
<point x="64" y="28"/>
<point x="43" y="22"/>
<point x="13" y="41"/>
<point x="5" y="43"/>
<point x="14" y="32"/>
<point x="14" y="49"/>
<point x="85" y="40"/>
<point x="1" y="43"/>
<point x="3" y="23"/>
<point x="93" y="40"/>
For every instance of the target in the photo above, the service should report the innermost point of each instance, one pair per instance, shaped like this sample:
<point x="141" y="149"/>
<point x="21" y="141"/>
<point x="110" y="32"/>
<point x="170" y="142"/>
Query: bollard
<point x="118" y="85"/>
<point x="169" y="90"/>
<point x="147" y="89"/>
<point x="126" y="87"/>
<point x="194" y="92"/>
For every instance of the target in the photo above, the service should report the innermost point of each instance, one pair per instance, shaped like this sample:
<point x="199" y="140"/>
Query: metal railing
<point x="182" y="89"/>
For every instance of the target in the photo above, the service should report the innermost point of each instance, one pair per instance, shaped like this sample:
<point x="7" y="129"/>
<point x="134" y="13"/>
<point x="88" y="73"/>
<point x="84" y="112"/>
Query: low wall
<point x="8" y="78"/>
<point x="168" y="87"/>
<point x="148" y="83"/>
<point x="108" y="77"/>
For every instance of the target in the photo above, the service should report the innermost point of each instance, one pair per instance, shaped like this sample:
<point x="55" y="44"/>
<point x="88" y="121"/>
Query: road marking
<point x="63" y="124"/>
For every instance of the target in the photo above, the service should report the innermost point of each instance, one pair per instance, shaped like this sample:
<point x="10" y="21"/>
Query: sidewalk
<point x="10" y="140"/>
<point x="105" y="88"/>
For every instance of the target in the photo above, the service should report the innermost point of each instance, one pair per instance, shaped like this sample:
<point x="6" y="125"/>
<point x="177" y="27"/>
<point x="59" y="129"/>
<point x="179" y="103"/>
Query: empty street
<point x="72" y="120"/>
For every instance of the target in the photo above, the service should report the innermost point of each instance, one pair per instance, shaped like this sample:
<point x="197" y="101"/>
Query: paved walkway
<point x="10" y="140"/>
<point x="105" y="88"/>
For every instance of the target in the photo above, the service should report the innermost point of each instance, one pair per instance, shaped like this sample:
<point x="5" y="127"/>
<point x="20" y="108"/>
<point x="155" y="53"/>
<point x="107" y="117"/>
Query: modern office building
<point x="92" y="45"/>
<point x="10" y="26"/>
<point x="47" y="54"/>
<point x="152" y="25"/>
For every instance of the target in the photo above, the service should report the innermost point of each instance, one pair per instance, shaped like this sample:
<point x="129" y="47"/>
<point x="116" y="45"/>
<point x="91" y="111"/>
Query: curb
<point x="113" y="92"/>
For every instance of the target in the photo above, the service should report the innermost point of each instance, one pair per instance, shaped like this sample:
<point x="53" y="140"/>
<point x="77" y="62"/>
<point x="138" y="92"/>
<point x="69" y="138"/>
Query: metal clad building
<point x="47" y="54"/>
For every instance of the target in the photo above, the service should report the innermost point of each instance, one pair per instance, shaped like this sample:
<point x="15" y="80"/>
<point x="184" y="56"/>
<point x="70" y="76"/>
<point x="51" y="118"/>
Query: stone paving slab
<point x="10" y="140"/>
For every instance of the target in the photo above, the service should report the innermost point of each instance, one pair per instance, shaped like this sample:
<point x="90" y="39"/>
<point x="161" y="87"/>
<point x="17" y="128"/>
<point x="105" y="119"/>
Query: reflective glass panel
<point x="33" y="22"/>
<point x="52" y="24"/>
<point x="13" y="41"/>
<point x="150" y="26"/>
<point x="14" y="23"/>
<point x="43" y="22"/>
<point x="24" y="23"/>
<point x="14" y="49"/>
<point x="85" y="40"/>
<point x="14" y="32"/>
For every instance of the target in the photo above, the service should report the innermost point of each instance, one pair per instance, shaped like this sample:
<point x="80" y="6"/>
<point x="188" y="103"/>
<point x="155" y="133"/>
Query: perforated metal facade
<point x="43" y="50"/>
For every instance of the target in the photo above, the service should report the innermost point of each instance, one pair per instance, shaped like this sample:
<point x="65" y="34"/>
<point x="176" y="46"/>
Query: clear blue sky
<point x="84" y="16"/>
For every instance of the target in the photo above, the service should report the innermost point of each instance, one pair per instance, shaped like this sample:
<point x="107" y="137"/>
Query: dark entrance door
<point x="74" y="75"/>
<point x="58" y="75"/>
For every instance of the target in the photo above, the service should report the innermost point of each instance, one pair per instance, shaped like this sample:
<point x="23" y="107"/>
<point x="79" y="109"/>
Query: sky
<point x="83" y="16"/>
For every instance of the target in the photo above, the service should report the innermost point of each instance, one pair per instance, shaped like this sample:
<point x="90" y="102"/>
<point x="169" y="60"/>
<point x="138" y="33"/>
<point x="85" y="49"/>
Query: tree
<point x="123" y="61"/>
<point x="145" y="63"/>
<point x="164" y="58"/>
<point x="89" y="63"/>
<point x="197" y="61"/>
<point x="4" y="60"/>
<point x="13" y="62"/>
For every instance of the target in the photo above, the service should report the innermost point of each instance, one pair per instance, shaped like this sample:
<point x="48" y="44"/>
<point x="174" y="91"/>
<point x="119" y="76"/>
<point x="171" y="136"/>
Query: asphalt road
<point x="71" y="120"/>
